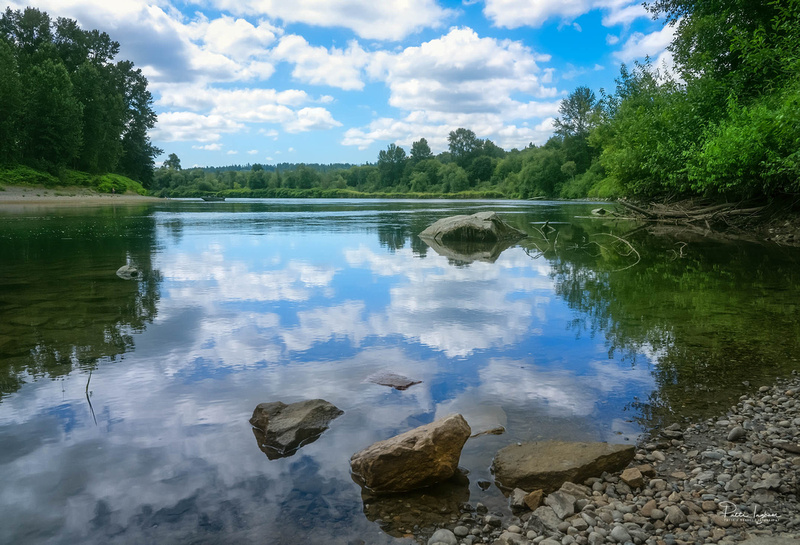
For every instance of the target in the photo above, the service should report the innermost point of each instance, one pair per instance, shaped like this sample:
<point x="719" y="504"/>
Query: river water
<point x="124" y="404"/>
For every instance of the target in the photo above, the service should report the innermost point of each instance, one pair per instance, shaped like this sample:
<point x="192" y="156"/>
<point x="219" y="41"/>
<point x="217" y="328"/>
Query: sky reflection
<point x="276" y="312"/>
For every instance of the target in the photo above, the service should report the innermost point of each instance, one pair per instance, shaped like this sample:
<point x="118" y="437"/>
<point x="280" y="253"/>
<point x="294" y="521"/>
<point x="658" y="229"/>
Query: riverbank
<point x="732" y="479"/>
<point x="13" y="195"/>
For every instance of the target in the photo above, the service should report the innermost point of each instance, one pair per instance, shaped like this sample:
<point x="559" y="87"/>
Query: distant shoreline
<point x="69" y="196"/>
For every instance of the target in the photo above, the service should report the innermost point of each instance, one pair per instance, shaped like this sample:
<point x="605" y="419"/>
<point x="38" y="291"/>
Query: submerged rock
<point x="549" y="464"/>
<point x="129" y="272"/>
<point x="398" y="382"/>
<point x="281" y="429"/>
<point x="432" y="507"/>
<point x="463" y="252"/>
<point x="417" y="458"/>
<point x="480" y="227"/>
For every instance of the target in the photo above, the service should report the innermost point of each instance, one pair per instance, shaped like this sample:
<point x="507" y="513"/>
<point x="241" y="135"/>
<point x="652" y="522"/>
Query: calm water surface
<point x="124" y="405"/>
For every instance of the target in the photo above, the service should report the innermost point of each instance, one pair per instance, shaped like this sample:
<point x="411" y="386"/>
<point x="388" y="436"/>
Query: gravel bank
<point x="16" y="196"/>
<point x="728" y="480"/>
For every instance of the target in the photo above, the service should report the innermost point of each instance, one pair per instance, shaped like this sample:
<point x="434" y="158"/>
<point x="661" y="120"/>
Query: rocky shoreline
<point x="728" y="480"/>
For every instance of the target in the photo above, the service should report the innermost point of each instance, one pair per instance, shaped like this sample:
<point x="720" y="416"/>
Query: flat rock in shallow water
<point x="398" y="382"/>
<point x="281" y="429"/>
<point x="549" y="464"/>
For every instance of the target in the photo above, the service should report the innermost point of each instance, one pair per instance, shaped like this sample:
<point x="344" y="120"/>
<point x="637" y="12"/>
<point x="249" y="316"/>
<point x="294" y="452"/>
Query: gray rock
<point x="760" y="459"/>
<point x="443" y="536"/>
<point x="481" y="227"/>
<point x="398" y="382"/>
<point x="675" y="516"/>
<point x="736" y="433"/>
<point x="461" y="531"/>
<point x="547" y="517"/>
<point x="547" y="465"/>
<point x="510" y="538"/>
<point x="620" y="534"/>
<point x="563" y="504"/>
<point x="579" y="491"/>
<point x="281" y="429"/>
<point x="129" y="272"/>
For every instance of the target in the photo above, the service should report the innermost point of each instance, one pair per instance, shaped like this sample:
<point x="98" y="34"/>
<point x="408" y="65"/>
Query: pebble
<point x="703" y="470"/>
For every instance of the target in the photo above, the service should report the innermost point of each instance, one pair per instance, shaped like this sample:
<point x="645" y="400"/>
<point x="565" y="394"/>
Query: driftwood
<point x="689" y="212"/>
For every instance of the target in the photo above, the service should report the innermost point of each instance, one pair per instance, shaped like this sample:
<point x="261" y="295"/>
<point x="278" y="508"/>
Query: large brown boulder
<point x="281" y="429"/>
<point x="420" y="457"/>
<point x="480" y="227"/>
<point x="549" y="464"/>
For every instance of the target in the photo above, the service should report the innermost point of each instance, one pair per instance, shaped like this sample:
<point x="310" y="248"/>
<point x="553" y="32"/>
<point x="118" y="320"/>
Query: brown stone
<point x="647" y="508"/>
<point x="534" y="499"/>
<point x="549" y="464"/>
<point x="709" y="505"/>
<point x="632" y="477"/>
<point x="417" y="458"/>
<point x="647" y="470"/>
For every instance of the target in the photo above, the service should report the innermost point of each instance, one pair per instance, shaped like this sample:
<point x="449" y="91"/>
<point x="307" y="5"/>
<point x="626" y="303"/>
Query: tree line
<point x="66" y="104"/>
<point x="723" y="122"/>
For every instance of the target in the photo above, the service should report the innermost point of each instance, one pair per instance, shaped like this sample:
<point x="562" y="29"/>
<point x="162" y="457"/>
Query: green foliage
<point x="79" y="108"/>
<point x="104" y="183"/>
<point x="730" y="128"/>
<point x="52" y="117"/>
<point x="10" y="104"/>
<point x="420" y="151"/>
<point x="650" y="134"/>
<point x="755" y="151"/>
<point x="577" y="113"/>
<point x="464" y="146"/>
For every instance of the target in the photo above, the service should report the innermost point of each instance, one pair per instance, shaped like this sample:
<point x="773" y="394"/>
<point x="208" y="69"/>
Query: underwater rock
<point x="129" y="272"/>
<point x="398" y="382"/>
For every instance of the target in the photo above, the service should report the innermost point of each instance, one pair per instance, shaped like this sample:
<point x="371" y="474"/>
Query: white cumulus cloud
<point x="367" y="18"/>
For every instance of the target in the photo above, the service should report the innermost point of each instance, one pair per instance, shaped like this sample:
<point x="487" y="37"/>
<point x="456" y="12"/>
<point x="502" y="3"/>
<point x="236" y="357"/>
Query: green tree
<point x="569" y="169"/>
<point x="577" y="112"/>
<point x="454" y="178"/>
<point x="391" y="163"/>
<point x="138" y="158"/>
<point x="10" y="104"/>
<point x="173" y="162"/>
<point x="52" y="117"/>
<point x="464" y="146"/>
<point x="103" y="118"/>
<point x="420" y="151"/>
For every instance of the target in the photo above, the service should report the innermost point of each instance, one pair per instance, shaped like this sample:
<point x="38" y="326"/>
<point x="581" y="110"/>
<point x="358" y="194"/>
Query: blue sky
<point x="268" y="81"/>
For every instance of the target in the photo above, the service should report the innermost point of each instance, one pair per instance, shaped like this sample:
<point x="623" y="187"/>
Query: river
<point x="124" y="404"/>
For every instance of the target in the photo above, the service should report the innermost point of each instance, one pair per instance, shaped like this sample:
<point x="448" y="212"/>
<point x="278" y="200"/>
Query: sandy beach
<point x="65" y="196"/>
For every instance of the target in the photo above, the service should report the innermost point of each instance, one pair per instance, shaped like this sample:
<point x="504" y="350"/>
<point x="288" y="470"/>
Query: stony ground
<point x="728" y="480"/>
<point x="11" y="195"/>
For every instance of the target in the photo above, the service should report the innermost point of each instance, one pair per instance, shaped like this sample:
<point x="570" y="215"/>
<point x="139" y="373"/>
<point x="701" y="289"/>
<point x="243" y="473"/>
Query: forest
<point x="723" y="122"/>
<point x="68" y="111"/>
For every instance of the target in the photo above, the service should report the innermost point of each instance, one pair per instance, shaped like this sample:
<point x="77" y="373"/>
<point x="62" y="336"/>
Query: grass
<point x="20" y="175"/>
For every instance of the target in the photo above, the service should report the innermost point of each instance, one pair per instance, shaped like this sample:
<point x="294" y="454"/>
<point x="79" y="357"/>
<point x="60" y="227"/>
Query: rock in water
<point x="281" y="429"/>
<point x="420" y="457"/>
<point x="129" y="272"/>
<point x="480" y="227"/>
<point x="549" y="464"/>
<point x="398" y="382"/>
